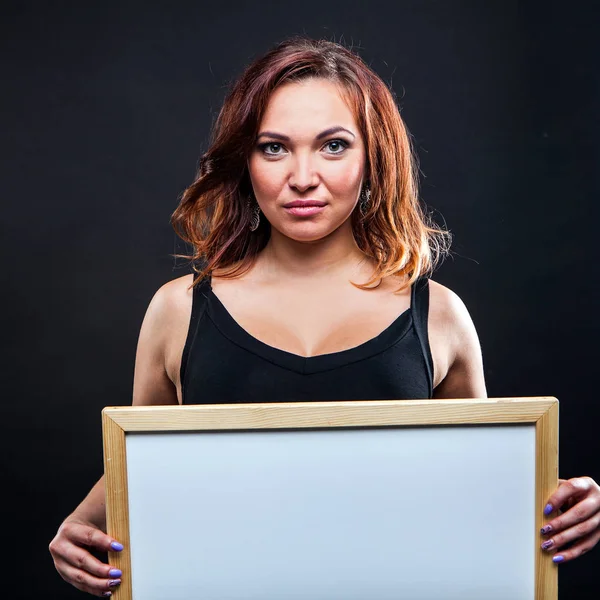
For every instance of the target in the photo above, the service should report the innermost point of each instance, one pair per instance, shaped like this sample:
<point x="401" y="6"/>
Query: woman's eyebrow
<point x="285" y="138"/>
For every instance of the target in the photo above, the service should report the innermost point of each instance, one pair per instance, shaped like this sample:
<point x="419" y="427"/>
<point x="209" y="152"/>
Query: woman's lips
<point x="305" y="211"/>
<point x="305" y="208"/>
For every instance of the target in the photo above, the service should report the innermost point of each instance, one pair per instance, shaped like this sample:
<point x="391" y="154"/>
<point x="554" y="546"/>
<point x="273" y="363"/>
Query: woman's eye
<point x="337" y="146"/>
<point x="272" y="148"/>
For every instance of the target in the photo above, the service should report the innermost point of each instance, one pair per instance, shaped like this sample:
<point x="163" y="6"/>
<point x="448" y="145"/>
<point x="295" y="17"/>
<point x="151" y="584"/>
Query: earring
<point x="365" y="198"/>
<point x="255" y="216"/>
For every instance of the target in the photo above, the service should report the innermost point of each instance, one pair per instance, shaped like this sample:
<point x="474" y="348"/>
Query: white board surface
<point x="418" y="513"/>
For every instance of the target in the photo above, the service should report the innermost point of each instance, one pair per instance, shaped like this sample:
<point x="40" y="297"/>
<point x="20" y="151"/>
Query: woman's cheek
<point x="267" y="181"/>
<point x="344" y="191"/>
<point x="345" y="177"/>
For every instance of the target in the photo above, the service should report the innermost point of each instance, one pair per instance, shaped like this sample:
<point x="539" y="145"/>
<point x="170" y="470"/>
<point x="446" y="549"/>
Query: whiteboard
<point x="339" y="514"/>
<point x="232" y="503"/>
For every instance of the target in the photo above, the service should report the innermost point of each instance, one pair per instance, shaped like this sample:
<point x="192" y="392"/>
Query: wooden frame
<point x="117" y="421"/>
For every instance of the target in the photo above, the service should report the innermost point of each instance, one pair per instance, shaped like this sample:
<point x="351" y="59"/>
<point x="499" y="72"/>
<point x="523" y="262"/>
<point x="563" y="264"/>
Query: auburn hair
<point x="213" y="214"/>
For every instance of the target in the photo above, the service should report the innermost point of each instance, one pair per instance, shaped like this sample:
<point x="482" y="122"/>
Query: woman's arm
<point x="86" y="526"/>
<point x="465" y="377"/>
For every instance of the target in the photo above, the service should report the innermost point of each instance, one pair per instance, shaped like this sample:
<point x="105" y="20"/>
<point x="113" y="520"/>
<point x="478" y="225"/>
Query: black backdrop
<point x="106" y="108"/>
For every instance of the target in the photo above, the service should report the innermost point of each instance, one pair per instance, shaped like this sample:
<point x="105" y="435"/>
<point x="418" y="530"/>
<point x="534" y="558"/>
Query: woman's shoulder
<point x="169" y="310"/>
<point x="442" y="298"/>
<point x="447" y="309"/>
<point x="179" y="285"/>
<point x="174" y="295"/>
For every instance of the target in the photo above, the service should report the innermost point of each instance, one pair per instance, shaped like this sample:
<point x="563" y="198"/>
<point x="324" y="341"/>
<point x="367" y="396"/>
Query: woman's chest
<point x="305" y="325"/>
<point x="313" y="325"/>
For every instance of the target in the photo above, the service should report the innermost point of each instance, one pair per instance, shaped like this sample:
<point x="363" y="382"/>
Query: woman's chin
<point x="307" y="232"/>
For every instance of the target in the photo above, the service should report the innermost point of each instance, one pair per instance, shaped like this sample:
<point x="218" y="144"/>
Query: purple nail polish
<point x="546" y="529"/>
<point x="114" y="582"/>
<point x="547" y="544"/>
<point x="548" y="509"/>
<point x="116" y="546"/>
<point x="115" y="573"/>
<point x="558" y="558"/>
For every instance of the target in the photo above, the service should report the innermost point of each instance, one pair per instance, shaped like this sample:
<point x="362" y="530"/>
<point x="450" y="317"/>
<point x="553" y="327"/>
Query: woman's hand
<point x="579" y="525"/>
<point x="76" y="565"/>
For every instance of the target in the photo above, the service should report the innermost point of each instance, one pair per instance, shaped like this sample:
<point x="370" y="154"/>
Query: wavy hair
<point x="213" y="214"/>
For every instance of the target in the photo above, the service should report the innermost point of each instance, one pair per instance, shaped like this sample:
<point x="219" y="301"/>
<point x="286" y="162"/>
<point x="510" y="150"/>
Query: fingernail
<point x="548" y="509"/>
<point x="558" y="558"/>
<point x="113" y="582"/>
<point x="116" y="546"/>
<point x="115" y="573"/>
<point x="107" y="594"/>
<point x="547" y="544"/>
<point x="546" y="529"/>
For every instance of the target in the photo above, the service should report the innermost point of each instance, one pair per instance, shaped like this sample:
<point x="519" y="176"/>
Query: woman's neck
<point x="335" y="256"/>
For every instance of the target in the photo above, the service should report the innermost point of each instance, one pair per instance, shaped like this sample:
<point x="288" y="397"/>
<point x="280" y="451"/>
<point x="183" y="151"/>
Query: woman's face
<point x="308" y="149"/>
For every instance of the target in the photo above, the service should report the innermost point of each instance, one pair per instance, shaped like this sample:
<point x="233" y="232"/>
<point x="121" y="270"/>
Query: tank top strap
<point x="198" y="307"/>
<point x="419" y="305"/>
<point x="204" y="286"/>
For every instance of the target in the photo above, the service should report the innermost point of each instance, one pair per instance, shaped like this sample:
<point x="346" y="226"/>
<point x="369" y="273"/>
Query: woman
<point x="316" y="254"/>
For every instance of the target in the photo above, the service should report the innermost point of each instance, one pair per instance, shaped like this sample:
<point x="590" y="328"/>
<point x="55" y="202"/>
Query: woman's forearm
<point x="93" y="506"/>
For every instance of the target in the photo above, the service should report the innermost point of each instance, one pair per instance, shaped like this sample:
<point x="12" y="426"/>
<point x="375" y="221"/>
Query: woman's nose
<point x="303" y="175"/>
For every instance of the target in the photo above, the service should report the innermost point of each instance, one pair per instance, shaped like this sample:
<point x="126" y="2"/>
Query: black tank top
<point x="223" y="363"/>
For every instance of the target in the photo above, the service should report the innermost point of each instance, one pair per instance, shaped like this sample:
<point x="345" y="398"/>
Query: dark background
<point x="106" y="108"/>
